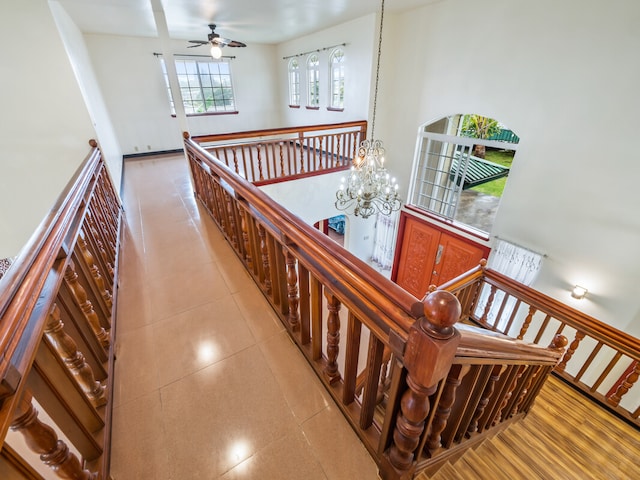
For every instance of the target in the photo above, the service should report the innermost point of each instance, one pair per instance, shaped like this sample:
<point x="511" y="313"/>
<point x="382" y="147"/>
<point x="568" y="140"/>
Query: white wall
<point x="131" y="80"/>
<point x="359" y="35"/>
<point x="564" y="76"/>
<point x="45" y="124"/>
<point x="81" y="63"/>
<point x="318" y="196"/>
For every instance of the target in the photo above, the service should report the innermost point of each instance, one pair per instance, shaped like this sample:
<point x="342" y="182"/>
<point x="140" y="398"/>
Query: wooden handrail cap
<point x="442" y="311"/>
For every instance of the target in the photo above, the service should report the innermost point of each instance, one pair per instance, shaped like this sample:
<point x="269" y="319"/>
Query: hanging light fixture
<point x="216" y="51"/>
<point x="369" y="187"/>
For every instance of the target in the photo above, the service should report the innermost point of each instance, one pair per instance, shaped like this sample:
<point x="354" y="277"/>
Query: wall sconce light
<point x="579" y="292"/>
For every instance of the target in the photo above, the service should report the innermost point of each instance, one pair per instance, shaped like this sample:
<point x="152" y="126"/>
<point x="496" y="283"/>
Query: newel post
<point x="430" y="350"/>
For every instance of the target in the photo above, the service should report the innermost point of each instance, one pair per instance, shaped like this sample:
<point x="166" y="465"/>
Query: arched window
<point x="313" y="79"/>
<point x="294" y="83"/>
<point x="336" y="62"/>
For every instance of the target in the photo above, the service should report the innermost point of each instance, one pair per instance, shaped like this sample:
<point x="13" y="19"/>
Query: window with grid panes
<point x="294" y="82"/>
<point x="206" y="86"/>
<point x="313" y="79"/>
<point x="336" y="62"/>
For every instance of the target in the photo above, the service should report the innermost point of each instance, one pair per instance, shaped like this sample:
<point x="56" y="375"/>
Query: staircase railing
<point x="56" y="356"/>
<point x="415" y="389"/>
<point x="268" y="156"/>
<point x="601" y="361"/>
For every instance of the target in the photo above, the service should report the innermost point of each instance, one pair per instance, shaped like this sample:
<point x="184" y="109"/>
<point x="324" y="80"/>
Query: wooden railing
<point x="267" y="156"/>
<point x="56" y="356"/>
<point x="415" y="389"/>
<point x="601" y="361"/>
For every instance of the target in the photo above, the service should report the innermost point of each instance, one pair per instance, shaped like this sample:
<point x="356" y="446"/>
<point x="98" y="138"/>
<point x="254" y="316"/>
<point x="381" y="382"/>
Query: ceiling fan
<point x="216" y="42"/>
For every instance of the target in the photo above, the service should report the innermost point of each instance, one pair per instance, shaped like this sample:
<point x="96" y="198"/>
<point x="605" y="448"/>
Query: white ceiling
<point x="249" y="21"/>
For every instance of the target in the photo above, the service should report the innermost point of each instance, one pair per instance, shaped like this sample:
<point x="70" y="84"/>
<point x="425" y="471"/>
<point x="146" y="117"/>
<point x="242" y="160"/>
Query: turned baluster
<point x="570" y="351"/>
<point x="266" y="266"/>
<point x="333" y="338"/>
<point x="259" y="148"/>
<point x="244" y="227"/>
<point x="337" y="155"/>
<point x="281" y="150"/>
<point x="109" y="259"/>
<point x="42" y="439"/>
<point x="383" y="383"/>
<point x="496" y="372"/>
<point x="232" y="223"/>
<point x="80" y="295"/>
<point x="430" y="349"/>
<point x="73" y="359"/>
<point x="559" y="342"/>
<point x="292" y="291"/>
<point x="95" y="272"/>
<point x="103" y="254"/>
<point x="443" y="412"/>
<point x="301" y="143"/>
<point x="235" y="160"/>
<point x="525" y="390"/>
<point x="489" y="304"/>
<point x="508" y="395"/>
<point x="626" y="385"/>
<point x="527" y="322"/>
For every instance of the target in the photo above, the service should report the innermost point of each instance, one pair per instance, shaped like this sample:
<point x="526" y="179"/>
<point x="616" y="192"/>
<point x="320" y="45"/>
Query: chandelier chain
<point x="375" y="92"/>
<point x="369" y="187"/>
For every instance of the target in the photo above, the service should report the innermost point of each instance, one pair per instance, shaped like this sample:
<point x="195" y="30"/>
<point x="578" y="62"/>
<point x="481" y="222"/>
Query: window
<point x="294" y="83"/>
<point x="461" y="169"/>
<point x="337" y="79"/>
<point x="205" y="86"/>
<point x="313" y="77"/>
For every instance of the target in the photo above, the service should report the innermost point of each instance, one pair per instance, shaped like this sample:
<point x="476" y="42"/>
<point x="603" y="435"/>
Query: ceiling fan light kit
<point x="217" y="42"/>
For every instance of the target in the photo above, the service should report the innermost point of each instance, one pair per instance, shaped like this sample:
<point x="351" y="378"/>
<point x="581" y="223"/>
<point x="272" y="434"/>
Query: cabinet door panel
<point x="457" y="257"/>
<point x="417" y="253"/>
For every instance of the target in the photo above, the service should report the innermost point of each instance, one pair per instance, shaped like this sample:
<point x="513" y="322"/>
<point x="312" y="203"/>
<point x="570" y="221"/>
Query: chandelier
<point x="369" y="188"/>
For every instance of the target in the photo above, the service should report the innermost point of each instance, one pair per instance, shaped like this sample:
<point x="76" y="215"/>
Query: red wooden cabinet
<point x="428" y="254"/>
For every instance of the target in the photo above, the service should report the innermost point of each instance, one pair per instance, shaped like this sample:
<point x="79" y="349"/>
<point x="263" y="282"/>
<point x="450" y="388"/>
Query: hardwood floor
<point x="564" y="437"/>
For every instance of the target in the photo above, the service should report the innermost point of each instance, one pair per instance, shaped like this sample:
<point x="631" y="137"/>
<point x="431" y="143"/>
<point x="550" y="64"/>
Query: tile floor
<point x="207" y="383"/>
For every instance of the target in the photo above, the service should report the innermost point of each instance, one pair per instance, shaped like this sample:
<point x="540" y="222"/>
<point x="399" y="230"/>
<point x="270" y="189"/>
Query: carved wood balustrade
<point x="56" y="331"/>
<point x="267" y="156"/>
<point x="417" y="390"/>
<point x="601" y="361"/>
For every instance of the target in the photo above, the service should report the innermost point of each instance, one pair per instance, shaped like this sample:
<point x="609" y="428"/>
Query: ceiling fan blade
<point x="199" y="42"/>
<point x="226" y="42"/>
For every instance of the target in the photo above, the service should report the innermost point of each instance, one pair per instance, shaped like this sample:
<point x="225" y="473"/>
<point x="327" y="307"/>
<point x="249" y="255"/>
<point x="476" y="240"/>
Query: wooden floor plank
<point x="565" y="437"/>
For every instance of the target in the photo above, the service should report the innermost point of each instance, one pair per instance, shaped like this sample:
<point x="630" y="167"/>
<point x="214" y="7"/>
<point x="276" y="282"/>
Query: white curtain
<point x="518" y="263"/>
<point x="384" y="242"/>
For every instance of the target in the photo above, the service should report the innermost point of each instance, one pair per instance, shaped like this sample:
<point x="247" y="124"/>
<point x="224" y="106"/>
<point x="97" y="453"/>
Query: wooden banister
<point x="225" y="137"/>
<point x="477" y="343"/>
<point x="585" y="364"/>
<point x="62" y="283"/>
<point x="420" y="393"/>
<point x="270" y="156"/>
<point x="346" y="269"/>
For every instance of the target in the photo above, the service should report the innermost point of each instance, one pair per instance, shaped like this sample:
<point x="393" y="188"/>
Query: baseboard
<point x="151" y="154"/>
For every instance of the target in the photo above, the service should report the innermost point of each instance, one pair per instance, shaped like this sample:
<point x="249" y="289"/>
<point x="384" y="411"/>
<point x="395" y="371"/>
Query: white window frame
<point x="200" y="83"/>
<point x="294" y="82"/>
<point x="336" y="80"/>
<point x="313" y="81"/>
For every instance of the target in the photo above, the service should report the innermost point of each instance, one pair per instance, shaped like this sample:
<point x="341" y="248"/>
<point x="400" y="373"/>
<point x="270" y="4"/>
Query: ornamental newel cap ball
<point x="442" y="311"/>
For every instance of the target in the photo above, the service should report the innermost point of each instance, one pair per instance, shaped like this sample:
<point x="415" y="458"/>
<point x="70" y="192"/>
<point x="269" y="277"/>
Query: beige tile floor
<point x="207" y="383"/>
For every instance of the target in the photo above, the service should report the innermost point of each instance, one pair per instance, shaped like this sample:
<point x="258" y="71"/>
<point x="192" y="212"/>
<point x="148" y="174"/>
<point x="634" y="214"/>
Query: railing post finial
<point x="186" y="135"/>
<point x="430" y="350"/>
